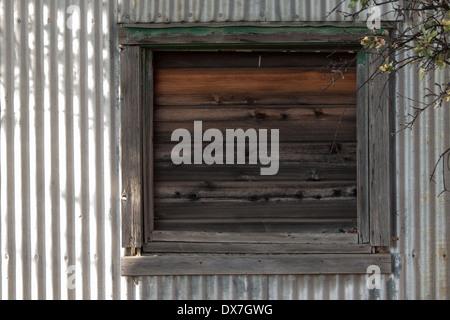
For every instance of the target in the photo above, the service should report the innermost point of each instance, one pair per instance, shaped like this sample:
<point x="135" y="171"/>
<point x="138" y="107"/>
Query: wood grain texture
<point x="159" y="265"/>
<point x="243" y="36"/>
<point x="289" y="171"/>
<point x="148" y="147"/>
<point x="210" y="209"/>
<point x="253" y="86"/>
<point x="318" y="152"/>
<point x="327" y="129"/>
<point x="362" y="154"/>
<point x="255" y="237"/>
<point x="255" y="190"/>
<point x="270" y="225"/>
<point x="232" y="59"/>
<point x="315" y="188"/>
<point x="379" y="156"/>
<point x="131" y="145"/>
<point x="258" y="248"/>
<point x="281" y="113"/>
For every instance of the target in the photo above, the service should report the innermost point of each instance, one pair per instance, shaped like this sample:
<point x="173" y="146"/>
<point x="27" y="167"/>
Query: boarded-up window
<point x="298" y="93"/>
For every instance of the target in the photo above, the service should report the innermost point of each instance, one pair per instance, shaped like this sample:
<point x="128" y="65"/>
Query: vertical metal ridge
<point x="41" y="155"/>
<point x="98" y="94"/>
<point x="83" y="132"/>
<point x="53" y="87"/>
<point x="8" y="215"/>
<point x="113" y="158"/>
<point x="69" y="143"/>
<point x="2" y="142"/>
<point x="23" y="227"/>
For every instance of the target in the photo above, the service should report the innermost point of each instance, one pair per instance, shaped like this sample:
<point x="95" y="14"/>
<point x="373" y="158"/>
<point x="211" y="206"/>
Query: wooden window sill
<point x="233" y="264"/>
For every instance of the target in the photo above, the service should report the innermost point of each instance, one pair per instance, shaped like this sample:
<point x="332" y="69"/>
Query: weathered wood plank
<point x="169" y="209"/>
<point x="288" y="171"/>
<point x="255" y="190"/>
<point x="248" y="98"/>
<point x="253" y="86"/>
<point x="148" y="147"/>
<point x="259" y="225"/>
<point x="131" y="144"/>
<point x="255" y="237"/>
<point x="308" y="60"/>
<point x="379" y="155"/>
<point x="245" y="248"/>
<point x="329" y="129"/>
<point x="317" y="152"/>
<point x="363" y="153"/>
<point x="238" y="36"/>
<point x="159" y="265"/>
<point x="260" y="114"/>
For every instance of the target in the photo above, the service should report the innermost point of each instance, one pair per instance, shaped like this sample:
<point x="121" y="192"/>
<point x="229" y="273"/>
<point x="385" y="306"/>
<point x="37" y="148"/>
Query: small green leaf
<point x="353" y="4"/>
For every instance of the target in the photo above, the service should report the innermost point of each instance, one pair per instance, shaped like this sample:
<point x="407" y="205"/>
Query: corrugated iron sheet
<point x="236" y="11"/>
<point x="59" y="163"/>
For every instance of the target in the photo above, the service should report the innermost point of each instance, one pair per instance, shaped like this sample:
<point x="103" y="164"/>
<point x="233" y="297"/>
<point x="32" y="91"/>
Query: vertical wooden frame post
<point x="131" y="145"/>
<point x="379" y="153"/>
<point x="147" y="145"/>
<point x="362" y="110"/>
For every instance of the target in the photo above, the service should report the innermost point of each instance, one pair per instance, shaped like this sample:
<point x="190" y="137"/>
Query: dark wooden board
<point x="212" y="209"/>
<point x="325" y="153"/>
<point x="259" y="114"/>
<point x="289" y="171"/>
<point x="259" y="225"/>
<point x="329" y="129"/>
<point x="255" y="190"/>
<point x="198" y="59"/>
<point x="256" y="237"/>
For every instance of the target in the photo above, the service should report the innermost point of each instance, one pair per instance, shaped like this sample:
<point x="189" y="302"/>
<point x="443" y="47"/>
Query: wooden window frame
<point x="202" y="254"/>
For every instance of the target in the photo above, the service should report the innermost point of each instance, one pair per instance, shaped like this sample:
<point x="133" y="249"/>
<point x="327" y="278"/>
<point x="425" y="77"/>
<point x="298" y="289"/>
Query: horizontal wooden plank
<point x="230" y="59"/>
<point x="330" y="129"/>
<point x="239" y="37"/>
<point x="228" y="248"/>
<point x="257" y="114"/>
<point x="318" y="152"/>
<point x="263" y="98"/>
<point x="255" y="190"/>
<point x="160" y="265"/>
<point x="247" y="209"/>
<point x="255" y="237"/>
<point x="253" y="86"/>
<point x="288" y="171"/>
<point x="258" y="225"/>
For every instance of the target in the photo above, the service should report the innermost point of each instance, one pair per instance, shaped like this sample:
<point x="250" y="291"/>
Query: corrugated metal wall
<point x="59" y="163"/>
<point x="232" y="11"/>
<point x="59" y="158"/>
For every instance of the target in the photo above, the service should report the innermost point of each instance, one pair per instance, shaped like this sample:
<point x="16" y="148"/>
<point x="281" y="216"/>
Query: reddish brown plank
<point x="253" y="86"/>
